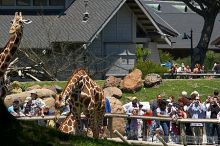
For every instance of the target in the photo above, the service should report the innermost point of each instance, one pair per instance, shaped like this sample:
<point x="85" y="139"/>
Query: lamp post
<point x="186" y="36"/>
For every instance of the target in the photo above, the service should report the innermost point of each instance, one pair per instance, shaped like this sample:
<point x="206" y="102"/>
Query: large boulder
<point x="112" y="92"/>
<point x="50" y="102"/>
<point x="151" y="80"/>
<point x="118" y="123"/>
<point x="112" y="81"/>
<point x="132" y="82"/>
<point x="33" y="87"/>
<point x="22" y="96"/>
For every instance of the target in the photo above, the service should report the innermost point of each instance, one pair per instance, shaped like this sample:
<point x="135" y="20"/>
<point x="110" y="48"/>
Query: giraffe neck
<point x="8" y="52"/>
<point x="67" y="126"/>
<point x="73" y="83"/>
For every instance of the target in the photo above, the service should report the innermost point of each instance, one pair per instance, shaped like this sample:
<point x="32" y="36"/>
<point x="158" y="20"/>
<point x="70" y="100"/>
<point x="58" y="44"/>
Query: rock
<point x="57" y="89"/>
<point x="132" y="82"/>
<point x="112" y="92"/>
<point x="151" y="80"/>
<point x="21" y="96"/>
<point x="118" y="123"/>
<point x="50" y="102"/>
<point x="33" y="87"/>
<point x="112" y="81"/>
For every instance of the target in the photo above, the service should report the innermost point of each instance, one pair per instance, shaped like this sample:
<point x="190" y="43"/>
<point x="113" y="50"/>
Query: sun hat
<point x="133" y="98"/>
<point x="195" y="92"/>
<point x="33" y="92"/>
<point x="27" y="99"/>
<point x="184" y="93"/>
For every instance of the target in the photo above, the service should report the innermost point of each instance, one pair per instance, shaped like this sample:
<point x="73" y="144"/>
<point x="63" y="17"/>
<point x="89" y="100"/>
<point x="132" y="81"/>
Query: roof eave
<point x="154" y="23"/>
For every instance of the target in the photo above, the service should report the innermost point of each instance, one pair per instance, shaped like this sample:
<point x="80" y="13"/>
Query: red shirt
<point x="150" y="114"/>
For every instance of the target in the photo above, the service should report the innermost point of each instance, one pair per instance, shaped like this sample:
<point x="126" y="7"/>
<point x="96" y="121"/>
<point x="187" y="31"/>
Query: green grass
<point x="30" y="134"/>
<point x="166" y="88"/>
<point x="175" y="87"/>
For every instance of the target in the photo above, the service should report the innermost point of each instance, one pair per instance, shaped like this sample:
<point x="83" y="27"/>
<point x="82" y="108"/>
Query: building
<point x="108" y="29"/>
<point x="182" y="19"/>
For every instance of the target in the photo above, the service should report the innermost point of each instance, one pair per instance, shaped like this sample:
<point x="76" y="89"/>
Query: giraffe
<point x="68" y="124"/>
<point x="6" y="54"/>
<point x="84" y="95"/>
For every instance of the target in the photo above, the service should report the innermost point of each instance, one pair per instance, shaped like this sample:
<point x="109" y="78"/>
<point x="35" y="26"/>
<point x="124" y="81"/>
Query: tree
<point x="209" y="10"/>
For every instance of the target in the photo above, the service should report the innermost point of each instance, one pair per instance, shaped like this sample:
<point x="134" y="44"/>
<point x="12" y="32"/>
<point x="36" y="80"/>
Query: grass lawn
<point x="167" y="88"/>
<point x="30" y="134"/>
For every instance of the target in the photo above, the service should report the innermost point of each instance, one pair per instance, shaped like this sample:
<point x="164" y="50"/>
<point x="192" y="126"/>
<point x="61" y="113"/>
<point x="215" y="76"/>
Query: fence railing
<point x="144" y="118"/>
<point x="182" y="75"/>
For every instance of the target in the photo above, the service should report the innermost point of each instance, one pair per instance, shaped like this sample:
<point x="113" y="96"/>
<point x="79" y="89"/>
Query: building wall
<point x="115" y="45"/>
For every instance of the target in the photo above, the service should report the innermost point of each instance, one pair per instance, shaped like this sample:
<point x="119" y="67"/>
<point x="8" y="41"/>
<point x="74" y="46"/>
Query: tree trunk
<point x="199" y="52"/>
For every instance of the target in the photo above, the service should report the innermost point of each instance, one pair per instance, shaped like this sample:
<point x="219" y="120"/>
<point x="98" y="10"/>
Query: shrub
<point x="165" y="56"/>
<point x="209" y="60"/>
<point x="148" y="67"/>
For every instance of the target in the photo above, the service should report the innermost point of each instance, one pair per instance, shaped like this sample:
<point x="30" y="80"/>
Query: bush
<point x="209" y="60"/>
<point x="165" y="56"/>
<point x="148" y="67"/>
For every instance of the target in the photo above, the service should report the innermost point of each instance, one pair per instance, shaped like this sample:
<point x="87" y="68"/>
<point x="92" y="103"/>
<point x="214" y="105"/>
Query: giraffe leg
<point x="77" y="115"/>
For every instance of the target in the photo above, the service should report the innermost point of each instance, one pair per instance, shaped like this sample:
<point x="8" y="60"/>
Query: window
<point x="40" y="2"/>
<point x="7" y="2"/>
<point x="23" y="2"/>
<point x="56" y="2"/>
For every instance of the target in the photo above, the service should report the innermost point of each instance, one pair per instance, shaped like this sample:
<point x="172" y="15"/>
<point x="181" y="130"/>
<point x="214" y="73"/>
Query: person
<point x="147" y="112"/>
<point x="105" y="120"/>
<point x="207" y="104"/>
<point x="38" y="104"/>
<point x="216" y="93"/>
<point x="128" y="107"/>
<point x="133" y="132"/>
<point x="197" y="111"/>
<point x="28" y="108"/>
<point x="162" y="111"/>
<point x="154" y="104"/>
<point x="216" y="67"/>
<point x="15" y="109"/>
<point x="133" y="103"/>
<point x="215" y="109"/>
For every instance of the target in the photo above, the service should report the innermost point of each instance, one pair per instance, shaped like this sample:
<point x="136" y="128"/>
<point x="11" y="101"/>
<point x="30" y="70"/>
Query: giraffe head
<point x="17" y="23"/>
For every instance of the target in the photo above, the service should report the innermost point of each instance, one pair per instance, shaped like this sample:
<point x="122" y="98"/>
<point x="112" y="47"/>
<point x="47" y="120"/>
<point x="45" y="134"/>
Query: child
<point x="133" y="133"/>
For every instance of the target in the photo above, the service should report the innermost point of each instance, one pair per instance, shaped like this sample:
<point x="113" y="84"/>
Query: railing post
<point x="110" y="126"/>
<point x="144" y="130"/>
<point x="182" y="133"/>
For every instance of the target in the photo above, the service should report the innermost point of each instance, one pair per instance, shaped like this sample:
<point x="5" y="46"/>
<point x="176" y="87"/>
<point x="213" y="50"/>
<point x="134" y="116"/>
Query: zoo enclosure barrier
<point x="144" y="118"/>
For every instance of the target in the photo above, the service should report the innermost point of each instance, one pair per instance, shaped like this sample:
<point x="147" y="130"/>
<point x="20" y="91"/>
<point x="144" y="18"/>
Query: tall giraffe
<point x="8" y="122"/>
<point x="84" y="95"/>
<point x="16" y="32"/>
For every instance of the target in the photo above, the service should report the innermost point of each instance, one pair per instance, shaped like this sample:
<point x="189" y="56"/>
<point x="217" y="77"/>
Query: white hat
<point x="133" y="98"/>
<point x="168" y="100"/>
<point x="184" y="93"/>
<point x="195" y="92"/>
<point x="33" y="92"/>
<point x="27" y="99"/>
<point x="146" y="107"/>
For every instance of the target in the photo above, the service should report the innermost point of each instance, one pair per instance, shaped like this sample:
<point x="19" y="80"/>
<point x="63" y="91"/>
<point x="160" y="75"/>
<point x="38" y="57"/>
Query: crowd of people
<point x="198" y="68"/>
<point x="184" y="107"/>
<point x="32" y="106"/>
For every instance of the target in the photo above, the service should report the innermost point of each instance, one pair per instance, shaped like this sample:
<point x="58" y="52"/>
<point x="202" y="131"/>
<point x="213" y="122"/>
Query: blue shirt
<point x="107" y="105"/>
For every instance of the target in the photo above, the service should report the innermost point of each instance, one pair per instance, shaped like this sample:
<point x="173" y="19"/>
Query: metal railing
<point x="110" y="117"/>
